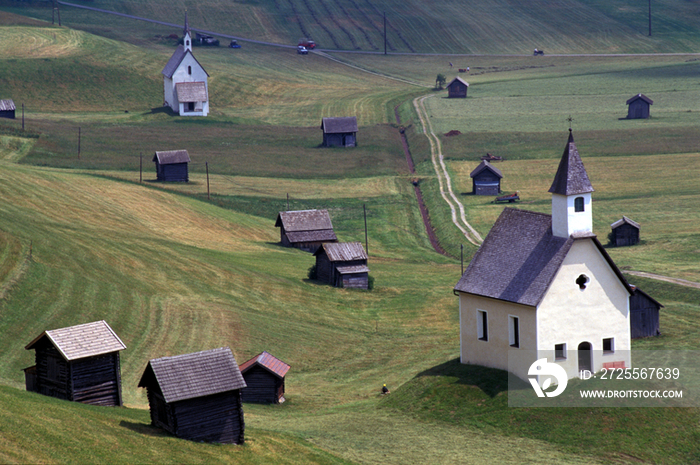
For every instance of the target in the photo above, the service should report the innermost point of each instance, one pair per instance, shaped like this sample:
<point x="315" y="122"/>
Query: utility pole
<point x="206" y="164"/>
<point x="78" y="142"/>
<point x="140" y="168"/>
<point x="385" y="31"/>
<point x="649" y="18"/>
<point x="364" y="208"/>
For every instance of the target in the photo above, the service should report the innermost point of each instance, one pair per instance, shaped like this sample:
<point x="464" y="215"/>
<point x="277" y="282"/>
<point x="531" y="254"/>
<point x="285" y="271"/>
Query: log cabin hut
<point x="7" y="109"/>
<point x="486" y="179"/>
<point x="644" y="314"/>
<point x="79" y="363"/>
<point x="625" y="232"/>
<point x="197" y="396"/>
<point x="342" y="264"/>
<point x="339" y="131"/>
<point x="305" y="229"/>
<point x="172" y="165"/>
<point x="264" y="377"/>
<point x="457" y="88"/>
<point x="639" y="107"/>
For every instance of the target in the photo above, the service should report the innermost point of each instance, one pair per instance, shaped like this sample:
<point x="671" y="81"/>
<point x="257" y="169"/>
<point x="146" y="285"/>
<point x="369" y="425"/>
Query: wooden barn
<point x="305" y="229"/>
<point x="79" y="363"/>
<point x="486" y="179"/>
<point x="342" y="264"/>
<point x="457" y="88"/>
<point x="172" y="165"/>
<point x="644" y="314"/>
<point x="638" y="107"/>
<point x="197" y="396"/>
<point x="339" y="131"/>
<point x="264" y="379"/>
<point x="625" y="232"/>
<point x="7" y="109"/>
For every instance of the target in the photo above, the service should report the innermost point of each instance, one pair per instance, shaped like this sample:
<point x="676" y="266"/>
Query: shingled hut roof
<point x="269" y="362"/>
<point x="338" y="125"/>
<point x="520" y="257"/>
<point x="642" y="97"/>
<point x="343" y="251"/>
<point x="458" y="79"/>
<point x="307" y="225"/>
<point x="191" y="91"/>
<point x="485" y="165"/>
<point x="571" y="177"/>
<point x="80" y="341"/>
<point x="169" y="157"/>
<point x="7" y="105"/>
<point x="194" y="375"/>
<point x="624" y="220"/>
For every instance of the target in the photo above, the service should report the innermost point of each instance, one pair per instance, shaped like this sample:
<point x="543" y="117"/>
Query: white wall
<point x="565" y="220"/>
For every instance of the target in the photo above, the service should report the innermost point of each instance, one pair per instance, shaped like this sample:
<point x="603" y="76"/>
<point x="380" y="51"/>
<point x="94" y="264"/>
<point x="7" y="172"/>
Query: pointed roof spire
<point x="187" y="26"/>
<point x="571" y="177"/>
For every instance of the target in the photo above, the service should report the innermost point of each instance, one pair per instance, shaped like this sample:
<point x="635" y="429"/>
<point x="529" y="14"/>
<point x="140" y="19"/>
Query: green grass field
<point x="172" y="272"/>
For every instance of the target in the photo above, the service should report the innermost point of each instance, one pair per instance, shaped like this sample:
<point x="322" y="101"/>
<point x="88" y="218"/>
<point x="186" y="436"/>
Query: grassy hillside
<point x="502" y="27"/>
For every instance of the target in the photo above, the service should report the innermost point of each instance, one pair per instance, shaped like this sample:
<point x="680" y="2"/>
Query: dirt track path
<point x="443" y="176"/>
<point x="658" y="277"/>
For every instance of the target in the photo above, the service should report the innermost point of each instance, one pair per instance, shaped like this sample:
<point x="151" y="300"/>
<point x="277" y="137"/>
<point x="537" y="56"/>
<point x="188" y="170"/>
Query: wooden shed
<point x="457" y="88"/>
<point x="339" y="131"/>
<point x="625" y="232"/>
<point x="486" y="179"/>
<point x="305" y="229"/>
<point x="172" y="165"/>
<point x="342" y="264"/>
<point x="197" y="396"/>
<point x="7" y="109"/>
<point x="79" y="363"/>
<point x="644" y="314"/>
<point x="264" y="378"/>
<point x="638" y="107"/>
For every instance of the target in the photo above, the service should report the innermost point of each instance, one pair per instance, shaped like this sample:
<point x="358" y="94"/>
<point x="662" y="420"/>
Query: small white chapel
<point x="185" y="81"/>
<point x="543" y="286"/>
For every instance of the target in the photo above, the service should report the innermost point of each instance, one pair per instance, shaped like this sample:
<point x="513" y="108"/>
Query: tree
<point x="440" y="81"/>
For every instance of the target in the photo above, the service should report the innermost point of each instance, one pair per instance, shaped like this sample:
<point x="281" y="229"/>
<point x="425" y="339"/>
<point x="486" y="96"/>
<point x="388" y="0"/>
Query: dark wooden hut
<point x="342" y="264"/>
<point x="197" y="396"/>
<point x="625" y="232"/>
<point x="172" y="165"/>
<point x="638" y="107"/>
<point x="644" y="314"/>
<point x="79" y="363"/>
<point x="486" y="179"/>
<point x="7" y="109"/>
<point x="305" y="229"/>
<point x="264" y="379"/>
<point x="339" y="131"/>
<point x="457" y="88"/>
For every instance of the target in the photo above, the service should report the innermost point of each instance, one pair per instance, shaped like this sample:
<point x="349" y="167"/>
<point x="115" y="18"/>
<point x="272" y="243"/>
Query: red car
<point x="307" y="43"/>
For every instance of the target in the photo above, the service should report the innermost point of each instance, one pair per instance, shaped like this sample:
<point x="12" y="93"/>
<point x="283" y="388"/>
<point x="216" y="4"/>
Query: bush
<point x="312" y="272"/>
<point x="370" y="282"/>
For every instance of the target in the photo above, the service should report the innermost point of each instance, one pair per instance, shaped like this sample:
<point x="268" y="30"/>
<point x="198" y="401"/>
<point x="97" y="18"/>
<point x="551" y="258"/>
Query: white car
<point x="301" y="50"/>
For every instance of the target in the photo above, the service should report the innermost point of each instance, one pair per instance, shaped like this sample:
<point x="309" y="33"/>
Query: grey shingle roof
<point x="304" y="220"/>
<point x="343" y="251"/>
<point x="459" y="79"/>
<point x="168" y="157"/>
<point x="191" y="92"/>
<point x="195" y="375"/>
<point x="341" y="124"/>
<point x="175" y="60"/>
<point x="80" y="341"/>
<point x="7" y="105"/>
<point x="485" y="165"/>
<point x="268" y="361"/>
<point x="312" y="236"/>
<point x="640" y="96"/>
<point x="624" y="220"/>
<point x="353" y="269"/>
<point x="571" y="177"/>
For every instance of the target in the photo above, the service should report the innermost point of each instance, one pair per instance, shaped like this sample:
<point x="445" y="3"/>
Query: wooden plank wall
<point x="262" y="386"/>
<point x="215" y="418"/>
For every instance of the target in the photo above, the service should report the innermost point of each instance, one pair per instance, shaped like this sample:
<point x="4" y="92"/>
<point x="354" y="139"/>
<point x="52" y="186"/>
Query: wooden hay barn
<point x="625" y="232"/>
<point x="486" y="179"/>
<point x="79" y="363"/>
<point x="342" y="264"/>
<point x="7" y="109"/>
<point x="638" y="107"/>
<point x="264" y="377"/>
<point x="457" y="88"/>
<point x="339" y="131"/>
<point x="644" y="314"/>
<point x="197" y="396"/>
<point x="172" y="165"/>
<point x="305" y="229"/>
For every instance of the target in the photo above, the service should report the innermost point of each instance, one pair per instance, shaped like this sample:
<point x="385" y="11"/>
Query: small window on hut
<point x="559" y="351"/>
<point x="609" y="345"/>
<point x="514" y="331"/>
<point x="578" y="204"/>
<point x="482" y="327"/>
<point x="583" y="281"/>
<point x="189" y="71"/>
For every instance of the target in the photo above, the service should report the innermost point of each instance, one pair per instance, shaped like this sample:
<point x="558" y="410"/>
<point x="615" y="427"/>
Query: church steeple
<point x="187" y="35"/>
<point x="571" y="194"/>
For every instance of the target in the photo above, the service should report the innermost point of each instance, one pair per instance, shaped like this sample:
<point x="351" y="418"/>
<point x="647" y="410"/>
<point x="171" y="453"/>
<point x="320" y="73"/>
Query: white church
<point x="543" y="286"/>
<point x="185" y="84"/>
